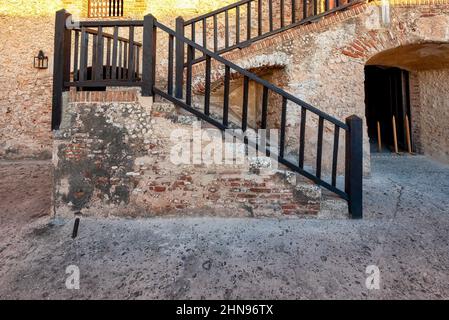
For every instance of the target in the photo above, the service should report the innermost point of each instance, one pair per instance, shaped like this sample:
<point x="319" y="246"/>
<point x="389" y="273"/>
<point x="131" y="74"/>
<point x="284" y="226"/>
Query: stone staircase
<point x="114" y="158"/>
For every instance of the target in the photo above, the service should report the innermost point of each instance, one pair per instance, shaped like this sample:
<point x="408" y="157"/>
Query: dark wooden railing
<point x="110" y="57"/>
<point x="88" y="58"/>
<point x="181" y="95"/>
<point x="247" y="21"/>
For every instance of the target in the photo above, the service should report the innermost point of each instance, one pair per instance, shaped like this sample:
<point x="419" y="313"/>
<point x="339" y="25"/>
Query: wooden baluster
<point x="248" y="21"/>
<point x="170" y="64"/>
<point x="207" y="86"/>
<point x="270" y="14"/>
<point x="99" y="55"/>
<point x="108" y="58"/>
<point x="75" y="57"/>
<point x="226" y="96"/>
<point x="283" y="127"/>
<point x="215" y="33"/>
<point x="179" y="63"/>
<point x="263" y="124"/>
<point x="237" y="25"/>
<point x="319" y="150"/>
<point x="281" y="11"/>
<point x="245" y="103"/>
<point x="131" y="66"/>
<point x="335" y="155"/>
<point x="114" y="54"/>
<point x="137" y="63"/>
<point x="304" y="9"/>
<point x="259" y="17"/>
<point x="204" y="34"/>
<point x="293" y="11"/>
<point x="94" y="57"/>
<point x="264" y="108"/>
<point x="302" y="136"/>
<point x="84" y="54"/>
<point x="120" y="61"/>
<point x="125" y="60"/>
<point x="226" y="29"/>
<point x="190" y="57"/>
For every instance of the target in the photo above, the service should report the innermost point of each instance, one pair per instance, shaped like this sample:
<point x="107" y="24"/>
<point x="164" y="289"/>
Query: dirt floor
<point x="404" y="233"/>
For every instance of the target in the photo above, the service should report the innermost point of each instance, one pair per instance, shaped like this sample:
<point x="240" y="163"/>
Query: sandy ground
<point x="405" y="233"/>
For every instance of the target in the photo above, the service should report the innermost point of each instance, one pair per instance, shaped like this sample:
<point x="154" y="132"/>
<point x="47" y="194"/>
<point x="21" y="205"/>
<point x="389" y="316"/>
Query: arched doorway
<point x="387" y="101"/>
<point x="409" y="82"/>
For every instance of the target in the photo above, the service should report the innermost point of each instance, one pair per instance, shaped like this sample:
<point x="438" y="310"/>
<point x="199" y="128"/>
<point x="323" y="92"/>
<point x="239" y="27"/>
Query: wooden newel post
<point x="149" y="55"/>
<point x="354" y="165"/>
<point x="179" y="58"/>
<point x="61" y="65"/>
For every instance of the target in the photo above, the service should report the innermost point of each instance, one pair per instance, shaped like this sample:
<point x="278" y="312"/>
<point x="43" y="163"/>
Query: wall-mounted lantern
<point x="41" y="61"/>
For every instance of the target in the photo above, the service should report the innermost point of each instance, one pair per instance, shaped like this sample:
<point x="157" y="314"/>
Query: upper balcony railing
<point x="242" y="23"/>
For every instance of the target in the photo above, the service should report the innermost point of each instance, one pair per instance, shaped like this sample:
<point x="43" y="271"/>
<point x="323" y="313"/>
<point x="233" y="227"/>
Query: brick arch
<point x="414" y="57"/>
<point x="429" y="27"/>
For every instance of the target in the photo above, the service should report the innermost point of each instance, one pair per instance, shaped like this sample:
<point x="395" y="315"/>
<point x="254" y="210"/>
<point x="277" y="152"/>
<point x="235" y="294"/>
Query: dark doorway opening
<point x="387" y="95"/>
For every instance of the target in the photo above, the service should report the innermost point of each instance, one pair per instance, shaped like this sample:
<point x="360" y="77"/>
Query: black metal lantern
<point x="41" y="61"/>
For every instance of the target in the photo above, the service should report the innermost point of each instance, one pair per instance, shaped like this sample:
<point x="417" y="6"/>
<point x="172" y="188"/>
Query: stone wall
<point x="433" y="117"/>
<point x="113" y="155"/>
<point x="25" y="95"/>
<point x="27" y="26"/>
